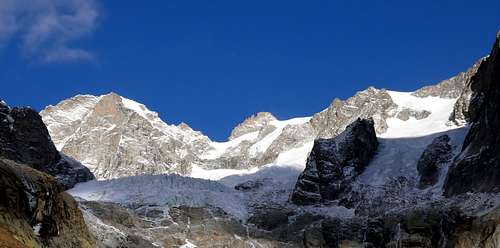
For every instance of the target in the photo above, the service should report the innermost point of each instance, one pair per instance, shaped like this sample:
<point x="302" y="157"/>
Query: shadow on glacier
<point x="395" y="157"/>
<point x="282" y="174"/>
<point x="165" y="189"/>
<point x="398" y="157"/>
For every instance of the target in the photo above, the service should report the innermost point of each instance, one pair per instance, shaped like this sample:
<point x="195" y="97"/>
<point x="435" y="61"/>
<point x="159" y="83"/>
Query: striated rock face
<point x="25" y="139"/>
<point x="371" y="103"/>
<point x="152" y="226"/>
<point x="477" y="167"/>
<point x="117" y="137"/>
<point x="334" y="163"/>
<point x="438" y="153"/>
<point x="422" y="227"/>
<point x="35" y="212"/>
<point x="252" y="124"/>
<point x="483" y="232"/>
<point x="461" y="113"/>
<point x="449" y="88"/>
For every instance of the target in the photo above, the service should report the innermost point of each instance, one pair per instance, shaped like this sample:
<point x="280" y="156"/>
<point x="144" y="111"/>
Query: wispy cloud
<point x="46" y="29"/>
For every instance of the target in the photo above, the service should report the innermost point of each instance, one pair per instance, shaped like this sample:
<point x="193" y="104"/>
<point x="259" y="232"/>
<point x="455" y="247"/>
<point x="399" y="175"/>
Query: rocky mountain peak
<point x="452" y="87"/>
<point x="110" y="106"/>
<point x="251" y="124"/>
<point x="115" y="136"/>
<point x="185" y="126"/>
<point x="370" y="103"/>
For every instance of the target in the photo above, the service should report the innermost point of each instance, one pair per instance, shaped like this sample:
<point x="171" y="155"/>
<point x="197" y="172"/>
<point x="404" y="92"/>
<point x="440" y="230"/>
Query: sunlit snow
<point x="400" y="147"/>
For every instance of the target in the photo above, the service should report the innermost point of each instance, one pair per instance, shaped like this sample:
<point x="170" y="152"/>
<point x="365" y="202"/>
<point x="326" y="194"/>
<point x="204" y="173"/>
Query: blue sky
<point x="213" y="63"/>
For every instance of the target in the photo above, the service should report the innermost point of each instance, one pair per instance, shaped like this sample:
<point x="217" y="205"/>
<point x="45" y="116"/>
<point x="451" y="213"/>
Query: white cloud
<point x="45" y="29"/>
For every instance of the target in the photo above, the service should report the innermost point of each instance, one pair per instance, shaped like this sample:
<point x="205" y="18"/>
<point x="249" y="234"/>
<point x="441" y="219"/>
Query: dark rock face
<point x="422" y="228"/>
<point x="477" y="167"/>
<point x="25" y="139"/>
<point x="334" y="163"/>
<point x="36" y="212"/>
<point x="437" y="153"/>
<point x="269" y="218"/>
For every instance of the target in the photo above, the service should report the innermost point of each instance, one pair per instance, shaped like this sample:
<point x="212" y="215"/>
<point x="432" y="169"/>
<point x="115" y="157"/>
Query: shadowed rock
<point x="25" y="139"/>
<point x="437" y="153"/>
<point x="334" y="163"/>
<point x="477" y="167"/>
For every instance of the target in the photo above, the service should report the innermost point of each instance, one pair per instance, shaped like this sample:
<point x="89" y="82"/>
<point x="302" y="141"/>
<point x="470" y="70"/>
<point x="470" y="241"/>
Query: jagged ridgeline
<point x="380" y="169"/>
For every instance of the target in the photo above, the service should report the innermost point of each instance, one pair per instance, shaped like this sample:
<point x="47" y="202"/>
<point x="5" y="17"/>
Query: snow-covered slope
<point x="116" y="137"/>
<point x="264" y="156"/>
<point x="401" y="146"/>
<point x="404" y="141"/>
<point x="161" y="190"/>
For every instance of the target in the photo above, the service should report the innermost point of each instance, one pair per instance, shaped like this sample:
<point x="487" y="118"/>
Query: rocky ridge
<point x="477" y="167"/>
<point x="81" y="123"/>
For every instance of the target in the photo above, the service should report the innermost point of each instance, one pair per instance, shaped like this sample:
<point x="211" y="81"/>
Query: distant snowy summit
<point x="117" y="137"/>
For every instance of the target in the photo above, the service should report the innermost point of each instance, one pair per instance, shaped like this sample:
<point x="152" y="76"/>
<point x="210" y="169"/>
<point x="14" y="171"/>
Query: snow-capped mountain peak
<point x="116" y="136"/>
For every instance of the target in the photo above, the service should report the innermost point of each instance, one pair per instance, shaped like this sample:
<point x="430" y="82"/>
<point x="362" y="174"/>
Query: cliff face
<point x="116" y="137"/>
<point x="25" y="139"/>
<point x="36" y="212"/>
<point x="333" y="164"/>
<point x="477" y="167"/>
<point x="34" y="209"/>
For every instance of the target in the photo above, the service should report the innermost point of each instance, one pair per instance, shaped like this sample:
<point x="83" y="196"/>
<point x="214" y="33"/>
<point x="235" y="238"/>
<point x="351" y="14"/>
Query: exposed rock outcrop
<point x="477" y="167"/>
<point x="438" y="153"/>
<point x="117" y="137"/>
<point x="370" y="103"/>
<point x="453" y="87"/>
<point x="483" y="231"/>
<point x="461" y="113"/>
<point x="35" y="212"/>
<point x="334" y="163"/>
<point x="423" y="227"/>
<point x="252" y="124"/>
<point x="406" y="113"/>
<point x="25" y="139"/>
<point x="152" y="226"/>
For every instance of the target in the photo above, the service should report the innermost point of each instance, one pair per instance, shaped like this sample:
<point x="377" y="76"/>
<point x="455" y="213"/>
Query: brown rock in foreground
<point x="36" y="212"/>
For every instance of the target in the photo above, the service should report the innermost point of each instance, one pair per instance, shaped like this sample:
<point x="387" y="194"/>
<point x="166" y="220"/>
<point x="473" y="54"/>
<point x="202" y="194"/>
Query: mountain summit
<point x="116" y="137"/>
